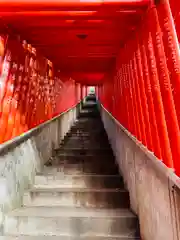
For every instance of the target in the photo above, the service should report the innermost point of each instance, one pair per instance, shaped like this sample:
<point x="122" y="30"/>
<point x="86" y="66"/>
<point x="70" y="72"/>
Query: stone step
<point x="84" y="137"/>
<point x="86" y="124"/>
<point x="76" y="197"/>
<point x="80" y="168"/>
<point x="89" y="107"/>
<point x="89" y="104"/>
<point x="66" y="237"/>
<point x="81" y="127"/>
<point x="88" y="147"/>
<point x="81" y="134"/>
<point x="81" y="143"/>
<point x="88" y="135"/>
<point x="90" y="142"/>
<point x="88" y="114"/>
<point x="74" y="158"/>
<point x="71" y="143"/>
<point x="87" y="132"/>
<point x="84" y="151"/>
<point x="90" y="138"/>
<point x="59" y="221"/>
<point x="80" y="181"/>
<point x="88" y="121"/>
<point x="92" y="130"/>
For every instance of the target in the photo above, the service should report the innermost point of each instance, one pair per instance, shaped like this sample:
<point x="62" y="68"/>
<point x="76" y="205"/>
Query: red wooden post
<point x="143" y="97"/>
<point x="132" y="102"/>
<point x="158" y="104"/>
<point x="125" y="98"/>
<point x="129" y="105"/>
<point x="166" y="91"/>
<point x="171" y="48"/>
<point x="135" y="101"/>
<point x="138" y="99"/>
<point x="123" y="106"/>
<point x="152" y="117"/>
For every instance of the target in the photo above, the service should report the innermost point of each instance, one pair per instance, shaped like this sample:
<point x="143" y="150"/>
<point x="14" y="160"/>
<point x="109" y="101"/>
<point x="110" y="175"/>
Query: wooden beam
<point x="69" y="5"/>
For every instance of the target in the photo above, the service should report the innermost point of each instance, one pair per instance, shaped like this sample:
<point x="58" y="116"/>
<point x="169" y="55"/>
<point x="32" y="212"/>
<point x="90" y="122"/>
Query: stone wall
<point x="23" y="156"/>
<point x="154" y="189"/>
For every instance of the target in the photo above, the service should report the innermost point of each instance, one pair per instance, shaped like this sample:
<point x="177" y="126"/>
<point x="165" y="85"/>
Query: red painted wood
<point x="69" y="4"/>
<point x="29" y="94"/>
<point x="143" y="96"/>
<point x="148" y="90"/>
<point x="166" y="91"/>
<point x="117" y="45"/>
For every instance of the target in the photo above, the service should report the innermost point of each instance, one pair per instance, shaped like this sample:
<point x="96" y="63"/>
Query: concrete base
<point x="154" y="189"/>
<point x="56" y="221"/>
<point x="24" y="156"/>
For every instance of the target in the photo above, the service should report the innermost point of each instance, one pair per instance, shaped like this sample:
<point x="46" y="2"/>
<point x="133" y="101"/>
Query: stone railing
<point x="24" y="156"/>
<point x="154" y="189"/>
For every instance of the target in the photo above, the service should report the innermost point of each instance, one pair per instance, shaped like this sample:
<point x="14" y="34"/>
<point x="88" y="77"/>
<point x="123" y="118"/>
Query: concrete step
<point x="85" y="143"/>
<point x="84" y="151"/>
<point x="80" y="168"/>
<point x="57" y="221"/>
<point x="81" y="134"/>
<point x="88" y="114"/>
<point x="95" y="133"/>
<point x="80" y="181"/>
<point x="83" y="157"/>
<point x="89" y="121"/>
<point x="77" y="197"/>
<point x="97" y="128"/>
<point x="89" y="104"/>
<point x="89" y="107"/>
<point x="81" y="124"/>
<point x="81" y="144"/>
<point x="87" y="126"/>
<point x="66" y="237"/>
<point x="74" y="158"/>
<point x="84" y="138"/>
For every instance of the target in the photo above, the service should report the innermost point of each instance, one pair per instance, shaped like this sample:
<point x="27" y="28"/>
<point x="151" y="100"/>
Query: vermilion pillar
<point x="135" y="101"/>
<point x="147" y="84"/>
<point x="165" y="85"/>
<point x="171" y="48"/>
<point x="158" y="104"/>
<point x="143" y="97"/>
<point x="139" y="100"/>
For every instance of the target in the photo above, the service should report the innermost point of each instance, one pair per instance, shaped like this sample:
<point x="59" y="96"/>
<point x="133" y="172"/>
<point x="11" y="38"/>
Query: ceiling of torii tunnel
<point x="82" y="38"/>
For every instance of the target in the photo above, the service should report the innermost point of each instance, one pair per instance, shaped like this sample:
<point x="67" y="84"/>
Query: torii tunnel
<point x="52" y="52"/>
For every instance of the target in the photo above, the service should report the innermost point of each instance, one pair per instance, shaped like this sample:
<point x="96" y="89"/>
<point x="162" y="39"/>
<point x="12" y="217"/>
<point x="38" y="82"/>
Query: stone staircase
<point x="80" y="195"/>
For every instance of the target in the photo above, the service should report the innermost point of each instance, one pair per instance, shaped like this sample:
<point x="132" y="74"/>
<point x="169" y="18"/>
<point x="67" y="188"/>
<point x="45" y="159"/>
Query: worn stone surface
<point x="58" y="221"/>
<point x="80" y="237"/>
<point x="77" y="197"/>
<point x="79" y="194"/>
